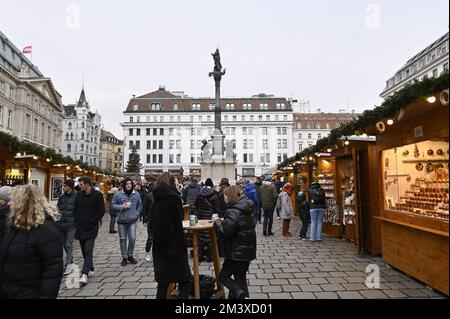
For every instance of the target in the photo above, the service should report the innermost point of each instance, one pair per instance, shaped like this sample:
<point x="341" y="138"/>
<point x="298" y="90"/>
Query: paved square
<point x="286" y="268"/>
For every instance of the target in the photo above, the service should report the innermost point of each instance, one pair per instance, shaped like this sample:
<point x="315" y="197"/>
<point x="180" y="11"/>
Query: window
<point x="264" y="144"/>
<point x="138" y="119"/>
<point x="225" y="118"/>
<point x="178" y="158"/>
<point x="300" y="136"/>
<point x="208" y="118"/>
<point x="234" y="118"/>
<point x="155" y="119"/>
<point x="155" y="106"/>
<point x="175" y="107"/>
<point x="149" y="145"/>
<point x="178" y="144"/>
<point x="138" y="132"/>
<point x="309" y="136"/>
<point x="130" y="132"/>
<point x="245" y="144"/>
<point x="233" y="131"/>
<point x="267" y="117"/>
<point x="284" y="143"/>
<point x="154" y="158"/>
<point x="435" y="73"/>
<point x="300" y="146"/>
<point x="260" y="118"/>
<point x="171" y="144"/>
<point x="284" y="131"/>
<point x="160" y="157"/>
<point x="69" y="148"/>
<point x="160" y="145"/>
<point x="147" y="131"/>
<point x="263" y="106"/>
<point x="319" y="136"/>
<point x="279" y="130"/>
<point x="195" y="107"/>
<point x="327" y="126"/>
<point x="284" y="156"/>
<point x="155" y="144"/>
<point x="155" y="131"/>
<point x="242" y="117"/>
<point x="250" y="144"/>
<point x="279" y="143"/>
<point x="212" y="107"/>
<point x="36" y="127"/>
<point x="148" y="158"/>
<point x="245" y="158"/>
<point x="252" y="118"/>
<point x="244" y="130"/>
<point x="82" y="146"/>
<point x="130" y="145"/>
<point x="264" y="131"/>
<point x="10" y="119"/>
<point x="285" y="117"/>
<point x="171" y="157"/>
<point x="279" y="158"/>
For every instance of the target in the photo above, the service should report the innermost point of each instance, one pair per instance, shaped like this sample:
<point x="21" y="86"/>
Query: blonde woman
<point x="239" y="241"/>
<point x="31" y="254"/>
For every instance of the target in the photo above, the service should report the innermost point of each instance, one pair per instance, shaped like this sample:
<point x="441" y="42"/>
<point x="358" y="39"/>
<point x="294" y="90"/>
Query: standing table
<point x="205" y="225"/>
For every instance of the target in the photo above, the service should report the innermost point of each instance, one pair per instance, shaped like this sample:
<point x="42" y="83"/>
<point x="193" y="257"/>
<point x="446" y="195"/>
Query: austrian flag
<point x="27" y="49"/>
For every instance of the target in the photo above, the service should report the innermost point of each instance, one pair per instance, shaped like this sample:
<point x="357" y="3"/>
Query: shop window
<point x="416" y="179"/>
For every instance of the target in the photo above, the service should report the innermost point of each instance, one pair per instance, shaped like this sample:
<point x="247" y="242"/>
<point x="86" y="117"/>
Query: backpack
<point x="317" y="196"/>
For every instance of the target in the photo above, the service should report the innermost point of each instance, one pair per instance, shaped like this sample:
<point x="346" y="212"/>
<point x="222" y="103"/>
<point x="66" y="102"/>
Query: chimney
<point x="134" y="96"/>
<point x="162" y="87"/>
<point x="318" y="110"/>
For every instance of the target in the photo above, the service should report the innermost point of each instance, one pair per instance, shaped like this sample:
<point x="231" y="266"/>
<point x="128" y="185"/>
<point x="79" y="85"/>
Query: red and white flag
<point x="27" y="49"/>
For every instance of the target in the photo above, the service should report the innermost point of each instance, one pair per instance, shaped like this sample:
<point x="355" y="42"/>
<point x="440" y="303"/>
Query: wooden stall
<point x="413" y="155"/>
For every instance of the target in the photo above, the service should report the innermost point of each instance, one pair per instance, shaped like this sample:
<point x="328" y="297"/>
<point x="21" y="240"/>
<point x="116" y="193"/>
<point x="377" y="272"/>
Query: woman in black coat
<point x="170" y="260"/>
<point x="239" y="242"/>
<point x="31" y="253"/>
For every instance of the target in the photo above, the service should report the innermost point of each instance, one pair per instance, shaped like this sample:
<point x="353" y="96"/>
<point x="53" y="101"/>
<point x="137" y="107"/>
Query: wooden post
<point x="216" y="258"/>
<point x="196" y="274"/>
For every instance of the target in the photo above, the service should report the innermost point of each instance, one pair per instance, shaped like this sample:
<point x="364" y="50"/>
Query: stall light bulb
<point x="35" y="157"/>
<point x="329" y="150"/>
<point x="364" y="135"/>
<point x="390" y="122"/>
<point x="68" y="167"/>
<point x="48" y="160"/>
<point x="346" y="142"/>
<point x="18" y="154"/>
<point x="431" y="99"/>
<point x="310" y="158"/>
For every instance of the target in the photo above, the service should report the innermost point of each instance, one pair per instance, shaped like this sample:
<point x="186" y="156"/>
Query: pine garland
<point x="15" y="145"/>
<point x="388" y="109"/>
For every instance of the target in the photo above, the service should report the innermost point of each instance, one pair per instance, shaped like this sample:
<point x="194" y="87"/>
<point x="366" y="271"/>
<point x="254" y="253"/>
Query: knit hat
<point x="287" y="187"/>
<point x="5" y="193"/>
<point x="268" y="178"/>
<point x="224" y="181"/>
<point x="209" y="182"/>
<point x="70" y="183"/>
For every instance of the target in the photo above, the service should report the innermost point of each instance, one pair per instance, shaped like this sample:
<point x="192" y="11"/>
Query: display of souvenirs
<point x="425" y="191"/>
<point x="326" y="180"/>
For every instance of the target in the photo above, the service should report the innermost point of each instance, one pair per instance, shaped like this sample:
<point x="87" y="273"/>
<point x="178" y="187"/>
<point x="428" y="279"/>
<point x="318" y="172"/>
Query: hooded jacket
<point x="284" y="205"/>
<point x="191" y="193"/>
<point x="250" y="192"/>
<point x="303" y="207"/>
<point x="268" y="195"/>
<point x="66" y="204"/>
<point x="238" y="231"/>
<point x="170" y="260"/>
<point x="130" y="214"/>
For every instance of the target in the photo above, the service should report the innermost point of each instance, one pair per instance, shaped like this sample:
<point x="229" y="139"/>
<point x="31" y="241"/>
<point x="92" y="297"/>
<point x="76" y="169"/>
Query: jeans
<point x="268" y="219"/>
<point x="69" y="235"/>
<point x="238" y="285"/>
<point x="112" y="222"/>
<point x="317" y="215"/>
<point x="127" y="231"/>
<point x="87" y="249"/>
<point x="149" y="242"/>
<point x="259" y="213"/>
<point x="184" y="289"/>
<point x="304" y="228"/>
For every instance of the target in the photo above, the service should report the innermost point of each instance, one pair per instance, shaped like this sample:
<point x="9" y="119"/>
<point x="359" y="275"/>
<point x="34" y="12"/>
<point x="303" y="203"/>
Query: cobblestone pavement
<point x="285" y="268"/>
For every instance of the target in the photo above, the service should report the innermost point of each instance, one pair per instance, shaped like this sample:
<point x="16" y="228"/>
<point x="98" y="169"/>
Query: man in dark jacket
<point x="268" y="201"/>
<point x="239" y="235"/>
<point x="5" y="199"/>
<point x="66" y="225"/>
<point x="147" y="205"/>
<point x="191" y="192"/>
<point x="88" y="212"/>
<point x="206" y="205"/>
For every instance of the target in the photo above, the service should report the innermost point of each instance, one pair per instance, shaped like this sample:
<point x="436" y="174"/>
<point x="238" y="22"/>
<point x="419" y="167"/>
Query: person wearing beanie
<point x="268" y="200"/>
<point x="128" y="205"/>
<point x="66" y="224"/>
<point x="284" y="207"/>
<point x="5" y="199"/>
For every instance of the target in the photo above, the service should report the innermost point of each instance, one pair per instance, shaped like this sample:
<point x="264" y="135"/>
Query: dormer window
<point x="155" y="107"/>
<point x="195" y="107"/>
<point x="135" y="107"/>
<point x="247" y="106"/>
<point x="175" y="107"/>
<point x="263" y="106"/>
<point x="212" y="107"/>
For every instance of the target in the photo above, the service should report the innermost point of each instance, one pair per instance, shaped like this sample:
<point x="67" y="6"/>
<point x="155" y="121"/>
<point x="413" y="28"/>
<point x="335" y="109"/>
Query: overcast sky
<point x="333" y="53"/>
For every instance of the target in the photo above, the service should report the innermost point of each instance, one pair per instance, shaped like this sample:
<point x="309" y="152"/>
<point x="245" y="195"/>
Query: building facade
<point x="311" y="127"/>
<point x="81" y="132"/>
<point x="167" y="130"/>
<point x="30" y="107"/>
<point x="111" y="149"/>
<point x="430" y="62"/>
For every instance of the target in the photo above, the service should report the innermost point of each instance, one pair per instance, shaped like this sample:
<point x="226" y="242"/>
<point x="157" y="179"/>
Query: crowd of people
<point x="34" y="234"/>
